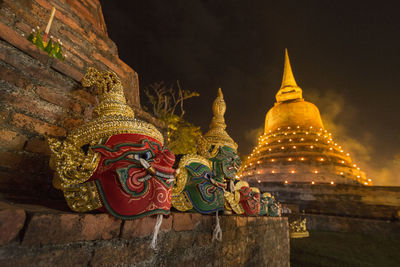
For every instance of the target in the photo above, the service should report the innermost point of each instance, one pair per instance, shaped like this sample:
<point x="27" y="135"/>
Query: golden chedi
<point x="295" y="147"/>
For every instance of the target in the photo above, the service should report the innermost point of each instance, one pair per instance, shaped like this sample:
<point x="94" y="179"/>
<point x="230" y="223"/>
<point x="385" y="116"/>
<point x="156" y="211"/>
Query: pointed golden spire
<point x="288" y="78"/>
<point x="289" y="89"/>
<point x="216" y="136"/>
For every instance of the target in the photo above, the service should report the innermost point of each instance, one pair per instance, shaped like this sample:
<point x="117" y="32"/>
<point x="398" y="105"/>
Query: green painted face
<point x="226" y="163"/>
<point x="205" y="195"/>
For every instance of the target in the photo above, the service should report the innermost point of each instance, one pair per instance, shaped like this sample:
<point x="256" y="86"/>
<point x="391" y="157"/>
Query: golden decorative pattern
<point x="217" y="135"/>
<point x="73" y="160"/>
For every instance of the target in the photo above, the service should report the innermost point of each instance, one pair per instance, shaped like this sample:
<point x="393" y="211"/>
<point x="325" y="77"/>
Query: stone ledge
<point x="35" y="225"/>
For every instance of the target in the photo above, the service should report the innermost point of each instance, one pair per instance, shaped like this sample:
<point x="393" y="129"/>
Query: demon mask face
<point x="250" y="200"/>
<point x="134" y="176"/>
<point x="196" y="188"/>
<point x="114" y="162"/>
<point x="226" y="163"/>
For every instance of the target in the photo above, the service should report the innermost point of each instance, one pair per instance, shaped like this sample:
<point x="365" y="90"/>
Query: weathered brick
<point x="15" y="78"/>
<point x="139" y="228"/>
<point x="37" y="145"/>
<point x="58" y="98"/>
<point x="33" y="106"/>
<point x="241" y="221"/>
<point x="37" y="126"/>
<point x="186" y="221"/>
<point x="60" y="257"/>
<point x="11" y="223"/>
<point x="84" y="97"/>
<point x="11" y="140"/>
<point x="123" y="255"/>
<point x="11" y="159"/>
<point x="65" y="228"/>
<point x="100" y="226"/>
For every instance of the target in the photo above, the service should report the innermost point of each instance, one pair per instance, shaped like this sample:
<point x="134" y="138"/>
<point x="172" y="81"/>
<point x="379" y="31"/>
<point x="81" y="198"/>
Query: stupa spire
<point x="288" y="78"/>
<point x="289" y="89"/>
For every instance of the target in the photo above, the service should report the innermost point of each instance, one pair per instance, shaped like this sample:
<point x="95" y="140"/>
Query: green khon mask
<point x="196" y="188"/>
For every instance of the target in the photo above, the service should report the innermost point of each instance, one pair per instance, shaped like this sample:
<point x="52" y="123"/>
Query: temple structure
<point x="295" y="147"/>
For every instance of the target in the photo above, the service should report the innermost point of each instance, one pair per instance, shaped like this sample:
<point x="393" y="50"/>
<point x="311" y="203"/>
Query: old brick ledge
<point x="35" y="225"/>
<point x="40" y="236"/>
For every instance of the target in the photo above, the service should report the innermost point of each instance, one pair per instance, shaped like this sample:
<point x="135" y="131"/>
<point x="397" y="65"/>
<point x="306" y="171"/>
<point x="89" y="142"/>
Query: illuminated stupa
<point x="295" y="147"/>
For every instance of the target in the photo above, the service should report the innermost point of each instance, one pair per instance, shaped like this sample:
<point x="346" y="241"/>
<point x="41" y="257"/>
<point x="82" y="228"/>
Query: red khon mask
<point x="134" y="176"/>
<point x="114" y="162"/>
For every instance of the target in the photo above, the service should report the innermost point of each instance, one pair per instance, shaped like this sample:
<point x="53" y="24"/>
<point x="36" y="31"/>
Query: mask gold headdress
<point x="72" y="159"/>
<point x="216" y="136"/>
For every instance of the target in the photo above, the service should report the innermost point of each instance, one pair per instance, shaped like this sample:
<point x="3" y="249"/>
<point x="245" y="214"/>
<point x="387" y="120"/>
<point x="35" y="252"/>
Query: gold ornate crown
<point x="217" y="135"/>
<point x="298" y="229"/>
<point x="72" y="164"/>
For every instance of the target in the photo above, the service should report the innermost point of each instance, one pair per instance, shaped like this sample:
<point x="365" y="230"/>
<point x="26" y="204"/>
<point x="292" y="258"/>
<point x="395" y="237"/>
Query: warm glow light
<point x="366" y="183"/>
<point x="258" y="172"/>
<point x="358" y="176"/>
<point x="272" y="160"/>
<point x="251" y="163"/>
<point x="312" y="182"/>
<point x="292" y="171"/>
<point x="279" y="129"/>
<point x="306" y="132"/>
<point x="288" y="127"/>
<point x="283" y="147"/>
<point x="311" y="147"/>
<point x="258" y="162"/>
<point x="343" y="161"/>
<point x="354" y="165"/>
<point x="310" y="127"/>
<point x="289" y="159"/>
<point x="248" y="157"/>
<point x="290" y="140"/>
<point x="341" y="151"/>
<point x="273" y="171"/>
<point x="348" y="154"/>
<point x="269" y="149"/>
<point x="294" y="132"/>
<point x="302" y="139"/>
<point x="301" y="158"/>
<point x="279" y="141"/>
<point x="358" y="168"/>
<point x="259" y="181"/>
<point x="330" y="148"/>
<point x="294" y="147"/>
<point x="315" y="171"/>
<point x="332" y="182"/>
<point x="328" y="142"/>
<point x="286" y="182"/>
<point x="298" y="126"/>
<point x="316" y="140"/>
<point x="341" y="173"/>
<point x="321" y="159"/>
<point x="285" y="133"/>
<point x="369" y="180"/>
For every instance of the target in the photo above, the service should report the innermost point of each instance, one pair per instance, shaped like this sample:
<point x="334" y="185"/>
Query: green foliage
<point x="165" y="102"/>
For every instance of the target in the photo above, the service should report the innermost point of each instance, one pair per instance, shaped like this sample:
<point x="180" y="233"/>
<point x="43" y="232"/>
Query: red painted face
<point x="134" y="176"/>
<point x="250" y="201"/>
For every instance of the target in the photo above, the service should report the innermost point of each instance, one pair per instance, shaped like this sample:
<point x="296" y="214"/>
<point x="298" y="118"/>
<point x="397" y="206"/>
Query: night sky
<point x="344" y="55"/>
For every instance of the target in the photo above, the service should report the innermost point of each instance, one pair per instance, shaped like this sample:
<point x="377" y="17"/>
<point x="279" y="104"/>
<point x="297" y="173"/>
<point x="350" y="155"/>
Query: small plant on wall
<point x="52" y="47"/>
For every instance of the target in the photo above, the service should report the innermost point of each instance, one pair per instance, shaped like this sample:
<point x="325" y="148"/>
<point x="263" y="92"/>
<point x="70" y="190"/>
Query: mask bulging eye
<point x="207" y="176"/>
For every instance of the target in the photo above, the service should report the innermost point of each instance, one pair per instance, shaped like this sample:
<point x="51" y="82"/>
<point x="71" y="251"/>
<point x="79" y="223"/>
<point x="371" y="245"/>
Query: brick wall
<point x="45" y="237"/>
<point x="42" y="96"/>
